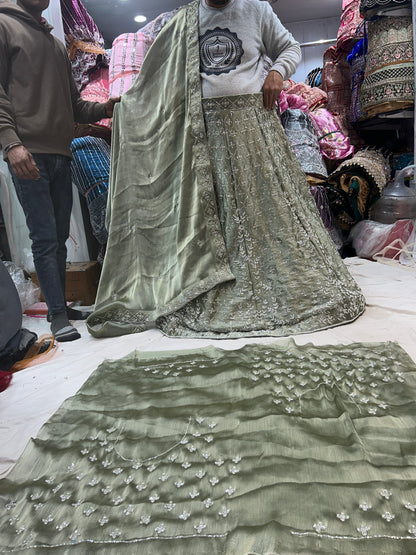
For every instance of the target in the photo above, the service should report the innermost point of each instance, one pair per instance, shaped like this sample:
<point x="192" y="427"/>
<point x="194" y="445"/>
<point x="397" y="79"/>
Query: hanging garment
<point x="265" y="449"/>
<point x="153" y="28"/>
<point x="389" y="78"/>
<point x="370" y="8"/>
<point x="212" y="228"/>
<point x="127" y="55"/>
<point x="304" y="142"/>
<point x="90" y="168"/>
<point x="84" y="41"/>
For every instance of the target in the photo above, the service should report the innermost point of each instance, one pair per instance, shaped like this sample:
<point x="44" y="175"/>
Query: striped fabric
<point x="127" y="55"/>
<point x="90" y="172"/>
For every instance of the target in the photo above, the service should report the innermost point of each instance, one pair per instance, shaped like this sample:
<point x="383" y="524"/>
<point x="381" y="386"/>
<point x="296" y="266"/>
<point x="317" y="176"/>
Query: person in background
<point x="39" y="102"/>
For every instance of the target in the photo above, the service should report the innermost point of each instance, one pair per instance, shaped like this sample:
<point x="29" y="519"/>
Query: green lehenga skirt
<point x="288" y="276"/>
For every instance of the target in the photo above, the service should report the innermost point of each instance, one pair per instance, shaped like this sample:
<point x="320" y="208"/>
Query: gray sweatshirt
<point x="234" y="44"/>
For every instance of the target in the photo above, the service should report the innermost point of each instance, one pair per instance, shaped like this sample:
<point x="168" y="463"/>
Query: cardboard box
<point x="81" y="281"/>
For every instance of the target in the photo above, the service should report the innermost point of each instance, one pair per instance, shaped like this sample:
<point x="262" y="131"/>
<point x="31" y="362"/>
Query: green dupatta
<point x="165" y="242"/>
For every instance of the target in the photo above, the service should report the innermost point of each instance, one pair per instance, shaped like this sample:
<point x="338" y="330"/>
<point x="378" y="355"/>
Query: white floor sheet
<point x="37" y="392"/>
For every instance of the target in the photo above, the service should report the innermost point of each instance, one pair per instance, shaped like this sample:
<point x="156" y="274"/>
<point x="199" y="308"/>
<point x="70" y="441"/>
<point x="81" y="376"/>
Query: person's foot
<point x="62" y="329"/>
<point x="73" y="314"/>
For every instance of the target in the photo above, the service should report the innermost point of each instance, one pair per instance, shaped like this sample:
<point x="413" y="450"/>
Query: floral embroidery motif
<point x="194" y="493"/>
<point x="154" y="497"/>
<point x="320" y="527"/>
<point x="412" y="530"/>
<point x="160" y="529"/>
<point x="185" y="515"/>
<point x="224" y="512"/>
<point x="115" y="533"/>
<point x="364" y="506"/>
<point x="385" y="493"/>
<point x="364" y="529"/>
<point x="200" y="527"/>
<point x="388" y="516"/>
<point x="342" y="516"/>
<point x="170" y="506"/>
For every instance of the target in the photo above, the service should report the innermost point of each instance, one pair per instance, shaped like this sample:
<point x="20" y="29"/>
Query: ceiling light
<point x="140" y="18"/>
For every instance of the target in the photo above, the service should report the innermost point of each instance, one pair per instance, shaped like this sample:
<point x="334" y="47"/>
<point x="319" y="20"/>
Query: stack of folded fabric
<point x="127" y="55"/>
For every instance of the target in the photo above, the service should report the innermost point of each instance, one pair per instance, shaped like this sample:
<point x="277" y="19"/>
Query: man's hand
<point x="272" y="87"/>
<point x="23" y="163"/>
<point x="109" y="105"/>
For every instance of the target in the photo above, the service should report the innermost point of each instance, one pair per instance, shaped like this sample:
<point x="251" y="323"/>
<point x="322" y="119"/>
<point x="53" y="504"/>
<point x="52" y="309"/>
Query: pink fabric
<point x="97" y="90"/>
<point x="283" y="104"/>
<point x="127" y="55"/>
<point x="333" y="144"/>
<point x="297" y="102"/>
<point x="313" y="96"/>
<point x="350" y="30"/>
<point x="292" y="101"/>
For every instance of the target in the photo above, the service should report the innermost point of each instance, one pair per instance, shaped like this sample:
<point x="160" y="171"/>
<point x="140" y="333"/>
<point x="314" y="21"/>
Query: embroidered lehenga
<point x="212" y="229"/>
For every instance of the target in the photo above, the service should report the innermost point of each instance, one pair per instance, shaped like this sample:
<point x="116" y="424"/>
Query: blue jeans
<point x="47" y="204"/>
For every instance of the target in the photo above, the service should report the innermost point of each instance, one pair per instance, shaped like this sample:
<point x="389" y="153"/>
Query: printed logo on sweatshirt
<point x="220" y="51"/>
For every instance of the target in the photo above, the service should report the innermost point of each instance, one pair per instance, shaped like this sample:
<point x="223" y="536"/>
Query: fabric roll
<point x="357" y="60"/>
<point x="333" y="144"/>
<point x="350" y="30"/>
<point x="266" y="449"/>
<point x="388" y="83"/>
<point x="336" y="83"/>
<point x="356" y="185"/>
<point x="127" y="55"/>
<point x="313" y="96"/>
<point x="371" y="8"/>
<point x="90" y="168"/>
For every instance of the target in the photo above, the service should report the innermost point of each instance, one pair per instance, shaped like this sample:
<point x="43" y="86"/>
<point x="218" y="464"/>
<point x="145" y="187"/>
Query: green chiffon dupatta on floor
<point x="267" y="449"/>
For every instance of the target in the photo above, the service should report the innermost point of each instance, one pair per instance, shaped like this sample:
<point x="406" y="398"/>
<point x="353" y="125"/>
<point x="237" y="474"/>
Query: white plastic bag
<point x="29" y="293"/>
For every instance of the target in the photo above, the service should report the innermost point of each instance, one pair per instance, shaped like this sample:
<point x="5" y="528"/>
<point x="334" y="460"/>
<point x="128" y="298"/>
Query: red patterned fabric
<point x="350" y="29"/>
<point x="5" y="379"/>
